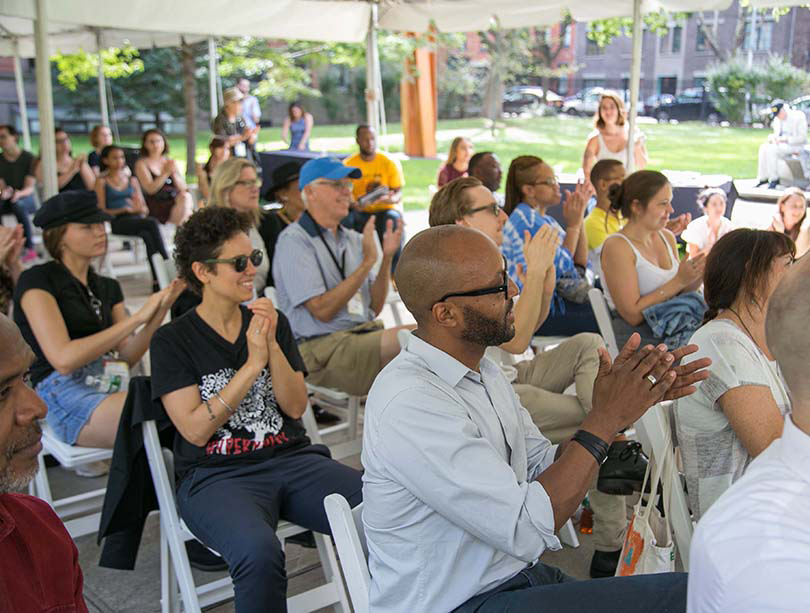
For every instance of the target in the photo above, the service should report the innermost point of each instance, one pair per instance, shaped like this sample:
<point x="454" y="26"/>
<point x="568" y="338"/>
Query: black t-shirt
<point x="14" y="173"/>
<point x="75" y="305"/>
<point x="187" y="352"/>
<point x="270" y="226"/>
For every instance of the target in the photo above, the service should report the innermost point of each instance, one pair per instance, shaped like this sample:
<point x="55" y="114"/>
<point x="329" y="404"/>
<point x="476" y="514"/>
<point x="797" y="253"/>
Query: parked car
<point x="692" y="104"/>
<point x="802" y="104"/>
<point x="586" y="102"/>
<point x="654" y="101"/>
<point x="526" y="98"/>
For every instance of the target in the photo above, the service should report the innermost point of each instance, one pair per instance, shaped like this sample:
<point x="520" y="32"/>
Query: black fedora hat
<point x="289" y="171"/>
<point x="74" y="206"/>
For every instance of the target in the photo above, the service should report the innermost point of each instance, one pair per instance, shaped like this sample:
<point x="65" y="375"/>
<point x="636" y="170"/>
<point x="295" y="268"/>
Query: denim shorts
<point x="70" y="402"/>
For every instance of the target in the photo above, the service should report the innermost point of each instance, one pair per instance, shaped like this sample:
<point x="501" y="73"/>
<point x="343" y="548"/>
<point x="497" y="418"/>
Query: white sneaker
<point x="93" y="469"/>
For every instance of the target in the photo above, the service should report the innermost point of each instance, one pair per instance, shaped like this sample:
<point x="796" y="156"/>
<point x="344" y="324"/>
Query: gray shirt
<point x="452" y="507"/>
<point x="304" y="268"/>
<point x="712" y="453"/>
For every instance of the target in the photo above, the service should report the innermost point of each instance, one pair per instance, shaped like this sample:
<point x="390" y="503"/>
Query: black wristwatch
<point x="593" y="444"/>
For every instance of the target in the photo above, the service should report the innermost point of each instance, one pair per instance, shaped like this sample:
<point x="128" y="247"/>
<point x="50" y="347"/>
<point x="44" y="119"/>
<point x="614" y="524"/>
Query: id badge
<point x="117" y="371"/>
<point x="355" y="306"/>
<point x="240" y="150"/>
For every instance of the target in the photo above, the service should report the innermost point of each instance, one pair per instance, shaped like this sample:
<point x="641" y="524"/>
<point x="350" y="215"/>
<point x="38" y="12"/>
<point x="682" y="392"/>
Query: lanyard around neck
<point x="341" y="266"/>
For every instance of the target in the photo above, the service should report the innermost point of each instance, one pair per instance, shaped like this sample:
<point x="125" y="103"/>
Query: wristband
<point x="592" y="444"/>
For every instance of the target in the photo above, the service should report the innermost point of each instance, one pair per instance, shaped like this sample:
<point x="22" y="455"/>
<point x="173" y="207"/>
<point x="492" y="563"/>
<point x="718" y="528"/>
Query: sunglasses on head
<point x="240" y="262"/>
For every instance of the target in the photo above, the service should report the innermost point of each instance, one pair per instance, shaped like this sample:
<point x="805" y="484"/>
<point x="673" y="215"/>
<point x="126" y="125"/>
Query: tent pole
<point x="212" y="77"/>
<point x="635" y="78"/>
<point x="45" y="100"/>
<point x="102" y="83"/>
<point x="18" y="81"/>
<point x="372" y="69"/>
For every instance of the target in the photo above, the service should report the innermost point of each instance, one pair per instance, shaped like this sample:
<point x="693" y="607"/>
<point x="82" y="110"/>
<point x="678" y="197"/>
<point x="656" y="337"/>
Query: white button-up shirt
<point x="751" y="551"/>
<point x="452" y="507"/>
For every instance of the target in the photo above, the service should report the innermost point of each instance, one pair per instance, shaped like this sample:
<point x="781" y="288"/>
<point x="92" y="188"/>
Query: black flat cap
<point x="282" y="176"/>
<point x="74" y="206"/>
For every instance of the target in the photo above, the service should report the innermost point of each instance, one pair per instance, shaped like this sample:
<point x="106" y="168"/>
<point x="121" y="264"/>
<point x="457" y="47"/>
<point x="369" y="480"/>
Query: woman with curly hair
<point x="232" y="382"/>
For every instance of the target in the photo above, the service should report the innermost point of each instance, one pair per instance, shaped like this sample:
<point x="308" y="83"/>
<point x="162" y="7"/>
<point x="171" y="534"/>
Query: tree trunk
<point x="190" y="99"/>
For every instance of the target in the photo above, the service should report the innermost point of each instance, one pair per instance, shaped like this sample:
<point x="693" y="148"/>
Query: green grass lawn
<point x="691" y="146"/>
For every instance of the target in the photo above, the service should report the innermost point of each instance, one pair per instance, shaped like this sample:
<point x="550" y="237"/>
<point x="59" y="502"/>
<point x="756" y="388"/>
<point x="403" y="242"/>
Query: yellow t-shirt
<point x="382" y="170"/>
<point x="597" y="231"/>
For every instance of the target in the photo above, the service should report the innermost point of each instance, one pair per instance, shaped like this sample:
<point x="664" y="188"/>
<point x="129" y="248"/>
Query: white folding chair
<point x="175" y="570"/>
<point x="80" y="513"/>
<point x="165" y="270"/>
<point x="603" y="320"/>
<point x="117" y="262"/>
<point x="350" y="541"/>
<point x="654" y="429"/>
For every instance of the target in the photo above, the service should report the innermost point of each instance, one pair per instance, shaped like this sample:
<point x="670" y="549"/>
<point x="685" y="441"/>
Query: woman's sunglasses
<point x="240" y="262"/>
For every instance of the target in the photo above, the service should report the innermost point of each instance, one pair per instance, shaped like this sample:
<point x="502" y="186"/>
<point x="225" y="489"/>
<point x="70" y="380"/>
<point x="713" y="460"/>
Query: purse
<point x="648" y="546"/>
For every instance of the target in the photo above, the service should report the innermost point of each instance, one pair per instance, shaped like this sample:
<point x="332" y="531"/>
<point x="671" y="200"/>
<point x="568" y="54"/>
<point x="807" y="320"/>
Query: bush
<point x="763" y="81"/>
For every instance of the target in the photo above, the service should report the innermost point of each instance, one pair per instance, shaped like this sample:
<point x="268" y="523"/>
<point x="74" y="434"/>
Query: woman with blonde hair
<point x="100" y="136"/>
<point x="236" y="185"/>
<point x="791" y="218"/>
<point x="461" y="150"/>
<point x="608" y="141"/>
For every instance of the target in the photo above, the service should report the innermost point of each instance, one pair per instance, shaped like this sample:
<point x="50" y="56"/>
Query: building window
<point x="761" y="41"/>
<point x="700" y="82"/>
<point x="591" y="83"/>
<point x="667" y="85"/>
<point x="663" y="44"/>
<point x="677" y="32"/>
<point x="700" y="40"/>
<point x="566" y="39"/>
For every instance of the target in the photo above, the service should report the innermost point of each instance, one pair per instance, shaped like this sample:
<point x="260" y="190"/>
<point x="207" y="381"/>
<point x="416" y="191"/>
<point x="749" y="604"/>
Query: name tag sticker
<point x="355" y="306"/>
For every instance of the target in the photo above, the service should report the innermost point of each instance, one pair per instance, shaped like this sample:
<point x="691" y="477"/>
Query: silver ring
<point x="652" y="379"/>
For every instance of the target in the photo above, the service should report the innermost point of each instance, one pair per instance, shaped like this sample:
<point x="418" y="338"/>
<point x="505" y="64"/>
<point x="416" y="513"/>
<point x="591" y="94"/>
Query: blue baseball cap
<point x="326" y="168"/>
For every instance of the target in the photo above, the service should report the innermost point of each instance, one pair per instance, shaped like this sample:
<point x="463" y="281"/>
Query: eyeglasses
<point x="239" y="262"/>
<point x="483" y="292"/>
<point x="249" y="184"/>
<point x="342" y="184"/>
<point x="492" y="208"/>
<point x="550" y="182"/>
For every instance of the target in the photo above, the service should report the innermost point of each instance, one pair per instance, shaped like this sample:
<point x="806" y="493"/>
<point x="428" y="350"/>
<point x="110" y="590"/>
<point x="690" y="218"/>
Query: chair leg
<point x="182" y="572"/>
<point x="331" y="570"/>
<point x="168" y="582"/>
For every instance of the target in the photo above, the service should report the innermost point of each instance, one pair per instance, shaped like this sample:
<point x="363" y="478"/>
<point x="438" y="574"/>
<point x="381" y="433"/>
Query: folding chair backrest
<point x="347" y="531"/>
<point x="603" y="320"/>
<point x="654" y="429"/>
<point x="164" y="270"/>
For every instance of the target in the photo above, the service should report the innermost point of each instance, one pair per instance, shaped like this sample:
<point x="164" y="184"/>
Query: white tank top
<point x="606" y="154"/>
<point x="650" y="276"/>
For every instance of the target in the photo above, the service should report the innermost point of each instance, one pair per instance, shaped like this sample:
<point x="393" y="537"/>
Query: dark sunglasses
<point x="240" y="262"/>
<point x="483" y="292"/>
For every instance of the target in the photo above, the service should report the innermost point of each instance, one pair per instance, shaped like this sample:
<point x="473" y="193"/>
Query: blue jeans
<point x="577" y="318"/>
<point x="21" y="210"/>
<point x="235" y="511"/>
<point x="545" y="589"/>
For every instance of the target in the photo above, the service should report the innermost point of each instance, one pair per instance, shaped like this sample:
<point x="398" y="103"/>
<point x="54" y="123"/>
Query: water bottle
<point x="106" y="384"/>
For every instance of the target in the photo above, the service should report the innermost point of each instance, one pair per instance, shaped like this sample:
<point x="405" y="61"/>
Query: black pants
<point x="145" y="228"/>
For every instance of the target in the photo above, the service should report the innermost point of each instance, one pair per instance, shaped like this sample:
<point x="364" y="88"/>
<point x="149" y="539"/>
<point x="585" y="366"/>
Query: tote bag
<point x="648" y="546"/>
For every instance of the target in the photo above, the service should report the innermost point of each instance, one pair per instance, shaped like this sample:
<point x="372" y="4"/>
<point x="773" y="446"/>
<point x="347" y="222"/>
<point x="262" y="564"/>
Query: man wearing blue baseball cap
<point x="788" y="138"/>
<point x="326" y="284"/>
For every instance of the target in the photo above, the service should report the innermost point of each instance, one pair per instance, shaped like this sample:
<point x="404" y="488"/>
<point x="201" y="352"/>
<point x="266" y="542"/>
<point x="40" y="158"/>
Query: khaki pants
<point x="540" y="384"/>
<point x="348" y="360"/>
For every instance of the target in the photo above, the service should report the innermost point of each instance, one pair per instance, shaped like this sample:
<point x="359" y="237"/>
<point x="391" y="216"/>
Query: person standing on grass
<point x="297" y="127"/>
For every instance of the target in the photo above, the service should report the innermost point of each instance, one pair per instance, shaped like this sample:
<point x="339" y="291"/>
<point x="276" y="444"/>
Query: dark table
<point x="685" y="188"/>
<point x="270" y="160"/>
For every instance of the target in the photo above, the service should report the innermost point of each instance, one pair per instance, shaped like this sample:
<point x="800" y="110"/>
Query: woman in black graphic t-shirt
<point x="232" y="382"/>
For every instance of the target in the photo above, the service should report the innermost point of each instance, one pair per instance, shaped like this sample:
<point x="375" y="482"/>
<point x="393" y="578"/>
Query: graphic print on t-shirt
<point x="256" y="423"/>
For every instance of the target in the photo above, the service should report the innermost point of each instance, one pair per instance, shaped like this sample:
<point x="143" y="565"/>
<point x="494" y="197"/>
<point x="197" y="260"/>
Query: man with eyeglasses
<point x="327" y="285"/>
<point x="17" y="184"/>
<point x="462" y="492"/>
<point x="541" y="382"/>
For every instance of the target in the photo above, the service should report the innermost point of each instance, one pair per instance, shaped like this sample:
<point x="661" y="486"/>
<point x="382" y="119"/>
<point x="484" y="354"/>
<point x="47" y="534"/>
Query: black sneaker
<point x="773" y="184"/>
<point x="761" y="183"/>
<point x="623" y="471"/>
<point x="303" y="539"/>
<point x="604" y="563"/>
<point x="202" y="558"/>
<point x="324" y="417"/>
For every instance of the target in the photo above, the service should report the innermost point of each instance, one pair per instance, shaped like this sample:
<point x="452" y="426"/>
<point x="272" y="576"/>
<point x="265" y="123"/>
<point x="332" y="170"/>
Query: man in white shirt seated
<point x="462" y="492"/>
<point x="788" y="138"/>
<point x="751" y="551"/>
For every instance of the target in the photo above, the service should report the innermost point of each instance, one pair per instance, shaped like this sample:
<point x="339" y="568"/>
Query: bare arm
<point x="202" y="181"/>
<point x="327" y="305"/>
<point x="138" y="201"/>
<point x="285" y="130"/>
<point x="753" y="415"/>
<point x="390" y="243"/>
<point x="28" y="188"/>
<point x="589" y="157"/>
<point x="640" y="154"/>
<point x="581" y="253"/>
<point x="803" y="242"/>
<point x="178" y="178"/>
<point x="133" y="347"/>
<point x="64" y="354"/>
<point x="308" y="122"/>
<point x="101" y="196"/>
<point x="150" y="185"/>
